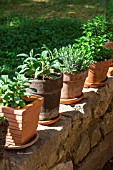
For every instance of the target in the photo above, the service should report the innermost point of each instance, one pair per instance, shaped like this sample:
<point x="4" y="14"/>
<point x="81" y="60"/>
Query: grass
<point x="27" y="24"/>
<point x="40" y="9"/>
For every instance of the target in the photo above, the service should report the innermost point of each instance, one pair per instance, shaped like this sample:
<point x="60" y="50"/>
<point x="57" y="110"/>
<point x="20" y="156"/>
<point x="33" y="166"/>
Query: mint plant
<point x="96" y="33"/>
<point x="99" y="26"/>
<point x="12" y="91"/>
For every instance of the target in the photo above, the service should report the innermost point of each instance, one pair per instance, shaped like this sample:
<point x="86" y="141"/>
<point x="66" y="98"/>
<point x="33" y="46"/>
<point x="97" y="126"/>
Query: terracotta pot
<point x="23" y="122"/>
<point x="51" y="91"/>
<point x="110" y="71"/>
<point x="110" y="61"/>
<point x="109" y="45"/>
<point x="3" y="132"/>
<point x="97" y="74"/>
<point x="72" y="87"/>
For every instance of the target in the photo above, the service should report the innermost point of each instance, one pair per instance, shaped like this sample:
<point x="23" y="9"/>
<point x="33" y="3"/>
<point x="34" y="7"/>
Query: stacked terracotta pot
<point x="23" y="122"/>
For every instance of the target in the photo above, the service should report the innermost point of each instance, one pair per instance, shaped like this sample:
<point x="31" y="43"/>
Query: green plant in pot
<point x="74" y="67"/>
<point x="3" y="132"/>
<point x="96" y="33"/>
<point x="99" y="26"/>
<point x="43" y="71"/>
<point x="21" y="110"/>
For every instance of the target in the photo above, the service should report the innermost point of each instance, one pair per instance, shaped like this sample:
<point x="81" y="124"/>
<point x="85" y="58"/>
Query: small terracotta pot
<point x="109" y="45"/>
<point x="97" y="74"/>
<point x="110" y="61"/>
<point x="23" y="122"/>
<point x="110" y="71"/>
<point x="72" y="87"/>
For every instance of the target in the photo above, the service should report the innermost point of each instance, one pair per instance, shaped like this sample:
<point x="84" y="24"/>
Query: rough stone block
<point x="99" y="155"/>
<point x="96" y="137"/>
<point x="107" y="123"/>
<point x="64" y="166"/>
<point x="83" y="148"/>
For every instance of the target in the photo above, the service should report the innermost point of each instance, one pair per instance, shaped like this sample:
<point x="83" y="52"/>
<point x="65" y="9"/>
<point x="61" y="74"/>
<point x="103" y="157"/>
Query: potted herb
<point x="96" y="33"/>
<point x="3" y="132"/>
<point x="74" y="67"/>
<point x="42" y="70"/>
<point x="20" y="108"/>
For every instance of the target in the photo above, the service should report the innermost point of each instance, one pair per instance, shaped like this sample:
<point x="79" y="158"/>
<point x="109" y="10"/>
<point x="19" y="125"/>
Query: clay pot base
<point x="49" y="122"/>
<point x="71" y="101"/>
<point x="29" y="143"/>
<point x="95" y="85"/>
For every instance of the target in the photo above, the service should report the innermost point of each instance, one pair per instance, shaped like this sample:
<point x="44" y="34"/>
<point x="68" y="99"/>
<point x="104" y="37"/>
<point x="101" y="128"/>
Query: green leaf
<point x="31" y="53"/>
<point x="38" y="73"/>
<point x="4" y="78"/>
<point x="17" y="99"/>
<point x="13" y="105"/>
<point x="1" y="104"/>
<point x="23" y="55"/>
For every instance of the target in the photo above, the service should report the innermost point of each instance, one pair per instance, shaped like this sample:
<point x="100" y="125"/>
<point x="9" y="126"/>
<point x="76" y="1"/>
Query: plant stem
<point x="43" y="70"/>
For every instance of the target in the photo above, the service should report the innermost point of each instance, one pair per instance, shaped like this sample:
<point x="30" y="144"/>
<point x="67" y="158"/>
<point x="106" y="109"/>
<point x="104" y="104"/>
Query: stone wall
<point x="81" y="140"/>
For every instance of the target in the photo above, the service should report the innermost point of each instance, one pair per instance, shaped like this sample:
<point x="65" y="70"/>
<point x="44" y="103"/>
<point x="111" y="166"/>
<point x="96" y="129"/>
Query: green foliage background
<point x="27" y="24"/>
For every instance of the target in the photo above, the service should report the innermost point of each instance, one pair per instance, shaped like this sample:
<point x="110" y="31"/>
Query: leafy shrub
<point x="99" y="26"/>
<point x="96" y="33"/>
<point x="20" y="35"/>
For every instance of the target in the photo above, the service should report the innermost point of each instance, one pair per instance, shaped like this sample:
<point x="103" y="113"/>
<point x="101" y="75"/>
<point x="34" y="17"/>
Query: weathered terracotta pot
<point x="3" y="132"/>
<point x="97" y="74"/>
<point x="110" y="70"/>
<point x="51" y="91"/>
<point x="108" y="45"/>
<point x="110" y="61"/>
<point x="72" y="87"/>
<point x="23" y="122"/>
